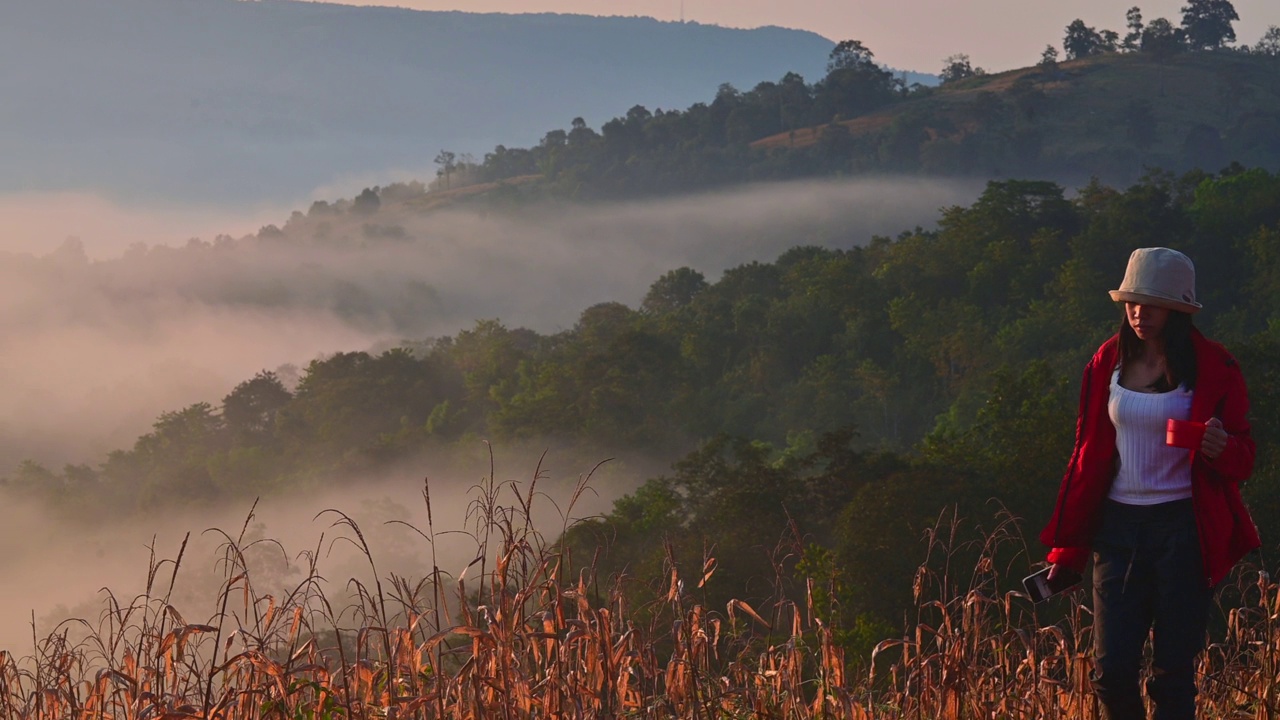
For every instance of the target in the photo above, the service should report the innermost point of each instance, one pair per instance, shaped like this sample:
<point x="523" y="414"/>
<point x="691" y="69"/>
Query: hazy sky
<point x="906" y="34"/>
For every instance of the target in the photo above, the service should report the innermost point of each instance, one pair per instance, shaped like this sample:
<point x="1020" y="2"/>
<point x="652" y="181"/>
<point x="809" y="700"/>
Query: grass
<point x="524" y="632"/>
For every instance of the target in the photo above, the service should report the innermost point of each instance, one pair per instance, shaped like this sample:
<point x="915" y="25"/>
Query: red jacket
<point x="1226" y="530"/>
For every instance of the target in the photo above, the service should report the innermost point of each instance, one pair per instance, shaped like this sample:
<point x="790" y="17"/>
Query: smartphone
<point x="1041" y="588"/>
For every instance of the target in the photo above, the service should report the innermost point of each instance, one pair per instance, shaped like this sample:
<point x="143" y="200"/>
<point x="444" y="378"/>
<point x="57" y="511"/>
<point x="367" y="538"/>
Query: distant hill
<point x="1108" y="116"/>
<point x="230" y="100"/>
<point x="1113" y="117"/>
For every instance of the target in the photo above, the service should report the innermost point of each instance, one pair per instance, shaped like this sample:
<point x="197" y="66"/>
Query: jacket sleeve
<point x="1049" y="536"/>
<point x="1073" y="557"/>
<point x="1235" y="464"/>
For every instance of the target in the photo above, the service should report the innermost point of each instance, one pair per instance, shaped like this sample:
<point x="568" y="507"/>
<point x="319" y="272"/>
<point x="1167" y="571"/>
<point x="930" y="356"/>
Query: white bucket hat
<point x="1161" y="277"/>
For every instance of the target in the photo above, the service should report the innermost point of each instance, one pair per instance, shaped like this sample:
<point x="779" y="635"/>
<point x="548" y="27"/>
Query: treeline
<point x="1206" y="25"/>
<point x="842" y="397"/>
<point x="708" y="144"/>
<point x="1042" y="121"/>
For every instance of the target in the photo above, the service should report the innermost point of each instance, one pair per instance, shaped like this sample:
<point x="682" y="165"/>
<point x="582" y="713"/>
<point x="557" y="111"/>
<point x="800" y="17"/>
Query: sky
<point x="904" y="34"/>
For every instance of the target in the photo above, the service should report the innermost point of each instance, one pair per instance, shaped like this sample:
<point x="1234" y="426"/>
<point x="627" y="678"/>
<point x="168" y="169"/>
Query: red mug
<point x="1184" y="434"/>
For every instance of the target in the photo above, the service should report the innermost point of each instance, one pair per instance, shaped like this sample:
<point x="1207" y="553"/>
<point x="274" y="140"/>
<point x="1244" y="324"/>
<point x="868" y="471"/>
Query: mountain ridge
<point x="221" y="99"/>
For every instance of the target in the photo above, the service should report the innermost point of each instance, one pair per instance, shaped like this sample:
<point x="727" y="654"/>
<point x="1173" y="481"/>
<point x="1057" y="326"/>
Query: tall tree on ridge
<point x="958" y="67"/>
<point x="855" y="83"/>
<point x="1269" y="44"/>
<point x="447" y="161"/>
<point x="1208" y="23"/>
<point x="1082" y="40"/>
<point x="1133" y="21"/>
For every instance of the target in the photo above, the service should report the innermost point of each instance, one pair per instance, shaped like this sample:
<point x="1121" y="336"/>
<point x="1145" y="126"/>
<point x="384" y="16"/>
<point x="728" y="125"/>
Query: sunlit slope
<point x="1109" y="116"/>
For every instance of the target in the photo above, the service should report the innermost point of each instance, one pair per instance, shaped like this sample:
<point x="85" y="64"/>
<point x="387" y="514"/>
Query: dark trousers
<point x="1147" y="577"/>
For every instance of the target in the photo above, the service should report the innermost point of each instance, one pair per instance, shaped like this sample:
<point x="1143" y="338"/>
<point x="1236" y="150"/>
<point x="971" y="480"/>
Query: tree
<point x="32" y="477"/>
<point x="1049" y="58"/>
<point x="1208" y="23"/>
<point x="673" y="291"/>
<point x="958" y="67"/>
<point x="1082" y="41"/>
<point x="555" y="139"/>
<point x="1133" y="21"/>
<point x="173" y="459"/>
<point x="447" y="162"/>
<point x="249" y="411"/>
<point x="1162" y="40"/>
<point x="850" y="55"/>
<point x="854" y="84"/>
<point x="603" y="322"/>
<point x="367" y="202"/>
<point x="795" y="101"/>
<point x="579" y="134"/>
<point x="1270" y="43"/>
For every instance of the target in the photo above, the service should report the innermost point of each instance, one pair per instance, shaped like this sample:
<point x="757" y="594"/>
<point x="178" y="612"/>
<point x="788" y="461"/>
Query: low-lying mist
<point x="93" y="350"/>
<point x="93" y="347"/>
<point x="37" y="223"/>
<point x="67" y="572"/>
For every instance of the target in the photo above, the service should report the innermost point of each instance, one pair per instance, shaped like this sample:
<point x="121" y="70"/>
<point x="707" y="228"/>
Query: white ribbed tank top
<point x="1151" y="472"/>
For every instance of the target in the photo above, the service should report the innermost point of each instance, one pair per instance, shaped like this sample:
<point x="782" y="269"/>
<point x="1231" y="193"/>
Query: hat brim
<point x="1156" y="300"/>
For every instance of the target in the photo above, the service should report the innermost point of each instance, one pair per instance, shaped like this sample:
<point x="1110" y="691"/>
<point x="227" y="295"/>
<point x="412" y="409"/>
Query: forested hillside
<point x="844" y="395"/>
<point x="819" y="410"/>
<point x="1106" y="113"/>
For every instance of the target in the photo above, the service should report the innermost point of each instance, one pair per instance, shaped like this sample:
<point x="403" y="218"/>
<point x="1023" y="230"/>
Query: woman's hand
<point x="1215" y="439"/>
<point x="1053" y="571"/>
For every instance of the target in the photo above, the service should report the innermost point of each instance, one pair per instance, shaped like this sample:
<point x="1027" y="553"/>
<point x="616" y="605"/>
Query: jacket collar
<point x="1210" y="361"/>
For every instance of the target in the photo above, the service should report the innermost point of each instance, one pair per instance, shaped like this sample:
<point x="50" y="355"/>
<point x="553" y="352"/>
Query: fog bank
<point x="65" y="571"/>
<point x="93" y="348"/>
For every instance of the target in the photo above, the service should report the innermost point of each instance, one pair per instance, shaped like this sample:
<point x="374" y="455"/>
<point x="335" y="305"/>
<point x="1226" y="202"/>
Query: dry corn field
<point x="524" y="633"/>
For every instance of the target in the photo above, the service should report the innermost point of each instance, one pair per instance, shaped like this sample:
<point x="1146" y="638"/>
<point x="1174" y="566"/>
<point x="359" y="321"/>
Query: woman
<point x="1165" y="524"/>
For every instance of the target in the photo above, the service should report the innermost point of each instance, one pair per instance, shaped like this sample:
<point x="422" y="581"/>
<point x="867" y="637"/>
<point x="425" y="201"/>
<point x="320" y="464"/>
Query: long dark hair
<point x="1179" y="352"/>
